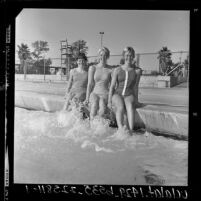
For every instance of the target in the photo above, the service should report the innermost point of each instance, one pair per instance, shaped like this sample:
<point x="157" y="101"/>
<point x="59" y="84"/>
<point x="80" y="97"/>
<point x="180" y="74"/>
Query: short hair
<point x="106" y="50"/>
<point x="82" y="56"/>
<point x="128" y="49"/>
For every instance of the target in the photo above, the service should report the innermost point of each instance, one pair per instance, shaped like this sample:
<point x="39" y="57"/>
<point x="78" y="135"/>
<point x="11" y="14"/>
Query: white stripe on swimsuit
<point x="125" y="83"/>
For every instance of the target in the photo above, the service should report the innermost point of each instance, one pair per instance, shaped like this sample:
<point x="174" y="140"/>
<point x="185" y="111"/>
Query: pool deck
<point x="165" y="110"/>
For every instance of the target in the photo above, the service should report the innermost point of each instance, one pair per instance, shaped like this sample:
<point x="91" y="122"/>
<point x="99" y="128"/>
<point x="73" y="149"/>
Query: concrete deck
<point x="165" y="110"/>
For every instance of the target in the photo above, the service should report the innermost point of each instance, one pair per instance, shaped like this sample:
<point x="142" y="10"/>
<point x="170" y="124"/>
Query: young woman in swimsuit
<point x="99" y="78"/>
<point x="123" y="96"/>
<point x="77" y="84"/>
<point x="138" y="72"/>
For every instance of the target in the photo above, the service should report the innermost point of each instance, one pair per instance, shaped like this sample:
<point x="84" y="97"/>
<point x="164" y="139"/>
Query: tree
<point x="40" y="48"/>
<point x="77" y="47"/>
<point x="164" y="60"/>
<point x="23" y="54"/>
<point x="39" y="65"/>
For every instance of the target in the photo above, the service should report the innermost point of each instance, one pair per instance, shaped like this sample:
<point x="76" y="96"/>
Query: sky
<point x="144" y="30"/>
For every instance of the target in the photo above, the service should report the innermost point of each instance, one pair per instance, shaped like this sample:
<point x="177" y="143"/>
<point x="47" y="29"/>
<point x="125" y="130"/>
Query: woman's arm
<point x="67" y="95"/>
<point x="70" y="82"/>
<point x="112" y="87"/>
<point x="90" y="83"/>
<point x="138" y="73"/>
<point x="110" y="78"/>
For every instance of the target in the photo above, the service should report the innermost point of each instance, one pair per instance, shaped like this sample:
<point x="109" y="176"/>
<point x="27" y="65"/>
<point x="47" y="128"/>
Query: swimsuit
<point x="79" y="85"/>
<point x="126" y="81"/>
<point x="102" y="78"/>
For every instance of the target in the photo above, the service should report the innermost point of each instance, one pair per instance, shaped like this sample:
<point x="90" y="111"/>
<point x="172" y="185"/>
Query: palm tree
<point x="40" y="48"/>
<point x="23" y="54"/>
<point x="164" y="59"/>
<point x="79" y="46"/>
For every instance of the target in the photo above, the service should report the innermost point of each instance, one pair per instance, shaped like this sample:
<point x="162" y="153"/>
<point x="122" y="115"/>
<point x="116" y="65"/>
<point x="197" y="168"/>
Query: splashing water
<point x="63" y="148"/>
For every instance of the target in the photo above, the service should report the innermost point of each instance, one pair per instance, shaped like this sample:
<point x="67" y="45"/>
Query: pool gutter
<point x="159" y="119"/>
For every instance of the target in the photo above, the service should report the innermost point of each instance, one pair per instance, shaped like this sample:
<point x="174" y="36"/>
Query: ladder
<point x="65" y="57"/>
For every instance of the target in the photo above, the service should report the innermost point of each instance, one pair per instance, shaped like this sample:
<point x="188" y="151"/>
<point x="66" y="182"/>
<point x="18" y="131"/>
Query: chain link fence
<point x="148" y="62"/>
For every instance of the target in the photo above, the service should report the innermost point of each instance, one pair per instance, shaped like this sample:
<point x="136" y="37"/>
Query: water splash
<point x="54" y="137"/>
<point x="88" y="143"/>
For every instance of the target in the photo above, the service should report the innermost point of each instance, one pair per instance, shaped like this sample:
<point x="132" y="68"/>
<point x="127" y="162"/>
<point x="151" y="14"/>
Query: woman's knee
<point x="102" y="111"/>
<point x="118" y="103"/>
<point x="102" y="106"/>
<point x="120" y="108"/>
<point x="130" y="109"/>
<point x="94" y="107"/>
<point x="93" y="103"/>
<point x="80" y="97"/>
<point x="129" y="100"/>
<point x="94" y="99"/>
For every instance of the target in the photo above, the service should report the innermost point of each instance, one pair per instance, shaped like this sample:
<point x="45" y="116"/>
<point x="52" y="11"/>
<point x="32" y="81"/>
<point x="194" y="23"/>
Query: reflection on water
<point x="61" y="148"/>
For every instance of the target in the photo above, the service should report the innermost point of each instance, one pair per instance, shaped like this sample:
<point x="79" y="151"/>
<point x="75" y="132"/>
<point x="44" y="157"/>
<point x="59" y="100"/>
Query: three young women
<point x="102" y="88"/>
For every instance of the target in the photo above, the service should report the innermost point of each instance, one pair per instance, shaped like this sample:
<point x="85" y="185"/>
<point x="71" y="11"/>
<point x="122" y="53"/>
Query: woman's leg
<point x="80" y="97"/>
<point x="67" y="102"/>
<point x="130" y="109"/>
<point x="126" y="120"/>
<point x="103" y="105"/>
<point x="118" y="103"/>
<point x="78" y="100"/>
<point x="94" y="100"/>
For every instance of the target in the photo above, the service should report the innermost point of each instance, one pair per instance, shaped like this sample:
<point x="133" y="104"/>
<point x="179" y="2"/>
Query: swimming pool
<point x="61" y="148"/>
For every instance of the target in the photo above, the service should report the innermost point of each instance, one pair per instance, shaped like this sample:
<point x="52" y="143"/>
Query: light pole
<point x="44" y="65"/>
<point x="101" y="33"/>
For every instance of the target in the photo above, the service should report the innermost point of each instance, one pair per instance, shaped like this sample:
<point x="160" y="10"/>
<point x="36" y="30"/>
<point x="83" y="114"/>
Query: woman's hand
<point x="109" y="105"/>
<point x="86" y="102"/>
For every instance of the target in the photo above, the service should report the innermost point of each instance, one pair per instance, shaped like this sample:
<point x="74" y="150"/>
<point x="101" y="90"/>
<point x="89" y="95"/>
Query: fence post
<point x="44" y="67"/>
<point x="138" y="60"/>
<point x="25" y="68"/>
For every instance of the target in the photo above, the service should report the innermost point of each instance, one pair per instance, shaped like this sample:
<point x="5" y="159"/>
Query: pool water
<point x="60" y="148"/>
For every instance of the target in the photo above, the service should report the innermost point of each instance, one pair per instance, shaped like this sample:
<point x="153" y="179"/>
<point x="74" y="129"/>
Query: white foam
<point x="64" y="118"/>
<point x="37" y="125"/>
<point x="120" y="134"/>
<point x="87" y="144"/>
<point x="100" y="127"/>
<point x="52" y="136"/>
